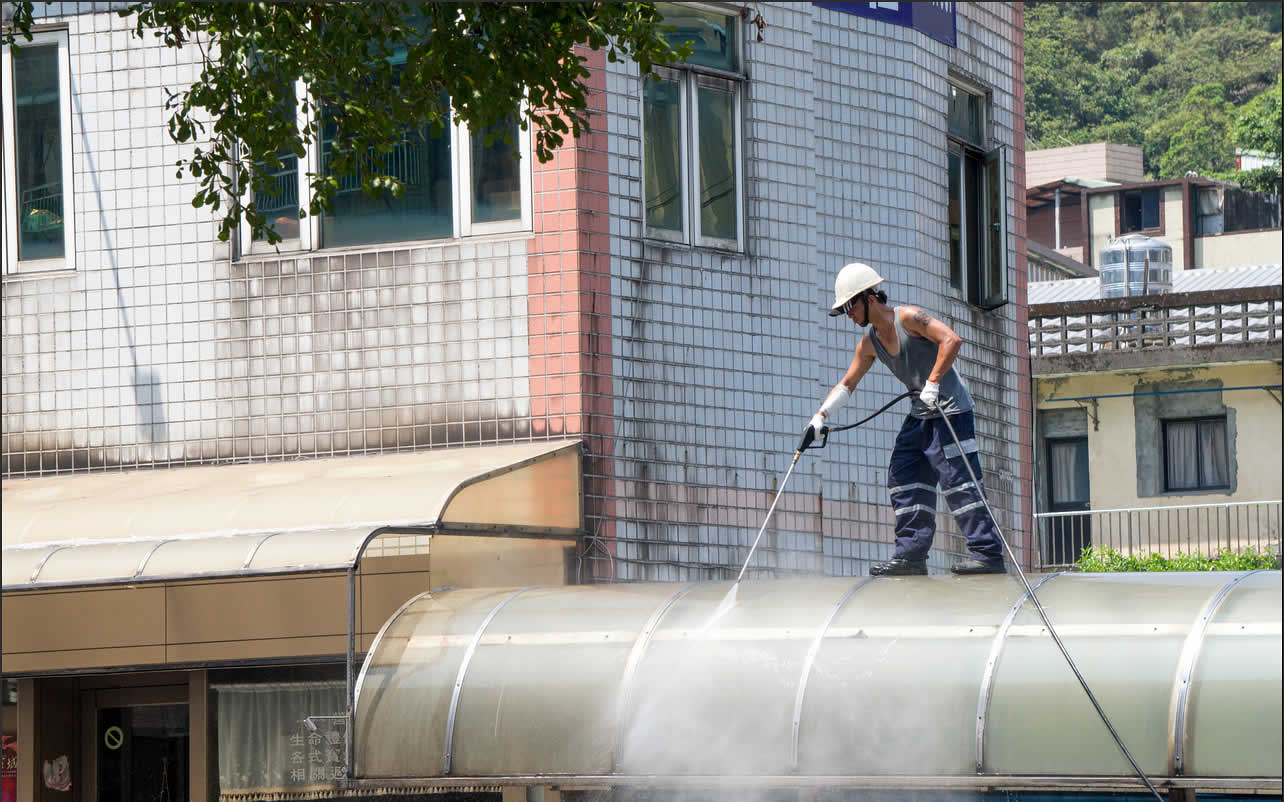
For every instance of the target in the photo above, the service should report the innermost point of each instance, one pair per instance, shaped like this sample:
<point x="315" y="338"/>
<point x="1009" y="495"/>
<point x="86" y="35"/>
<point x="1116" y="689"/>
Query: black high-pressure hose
<point x="809" y="436"/>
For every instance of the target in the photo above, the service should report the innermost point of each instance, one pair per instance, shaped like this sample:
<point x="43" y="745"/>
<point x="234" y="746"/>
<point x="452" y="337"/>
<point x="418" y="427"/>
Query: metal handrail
<point x="1151" y="509"/>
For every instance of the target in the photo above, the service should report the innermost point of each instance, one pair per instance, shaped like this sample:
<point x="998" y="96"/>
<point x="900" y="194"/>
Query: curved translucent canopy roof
<point x="913" y="676"/>
<point x="283" y="517"/>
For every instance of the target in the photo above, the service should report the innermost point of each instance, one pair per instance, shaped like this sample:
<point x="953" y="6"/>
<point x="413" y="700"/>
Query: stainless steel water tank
<point x="1139" y="251"/>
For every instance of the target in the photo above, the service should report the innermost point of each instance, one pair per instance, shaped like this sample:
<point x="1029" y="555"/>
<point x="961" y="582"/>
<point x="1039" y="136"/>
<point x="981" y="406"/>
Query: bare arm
<point x="920" y="323"/>
<point x="861" y="361"/>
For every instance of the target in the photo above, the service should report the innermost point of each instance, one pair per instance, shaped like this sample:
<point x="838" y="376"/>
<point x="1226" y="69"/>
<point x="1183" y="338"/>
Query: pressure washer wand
<point x="806" y="441"/>
<point x="1044" y="615"/>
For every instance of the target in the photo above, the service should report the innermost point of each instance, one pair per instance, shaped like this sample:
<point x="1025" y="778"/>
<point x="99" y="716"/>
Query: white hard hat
<point x="852" y="280"/>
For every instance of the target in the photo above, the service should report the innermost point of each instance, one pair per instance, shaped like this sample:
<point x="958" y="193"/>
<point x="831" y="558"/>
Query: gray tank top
<point x="913" y="364"/>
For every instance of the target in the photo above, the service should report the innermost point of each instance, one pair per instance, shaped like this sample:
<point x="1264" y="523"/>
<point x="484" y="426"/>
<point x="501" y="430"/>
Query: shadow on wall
<point x="149" y="396"/>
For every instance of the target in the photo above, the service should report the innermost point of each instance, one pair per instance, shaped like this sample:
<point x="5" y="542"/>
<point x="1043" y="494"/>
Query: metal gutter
<point x="758" y="782"/>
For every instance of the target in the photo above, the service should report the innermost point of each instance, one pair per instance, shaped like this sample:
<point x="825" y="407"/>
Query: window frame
<point x="461" y="177"/>
<point x="689" y="78"/>
<point x="679" y="237"/>
<point x="12" y="265"/>
<point x="1121" y="214"/>
<point x="309" y="233"/>
<point x="975" y="269"/>
<point x="310" y="238"/>
<point x="1201" y="486"/>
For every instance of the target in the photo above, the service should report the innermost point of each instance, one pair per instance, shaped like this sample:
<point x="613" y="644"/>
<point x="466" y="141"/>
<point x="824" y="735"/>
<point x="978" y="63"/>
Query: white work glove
<point x="930" y="394"/>
<point x="836" y="398"/>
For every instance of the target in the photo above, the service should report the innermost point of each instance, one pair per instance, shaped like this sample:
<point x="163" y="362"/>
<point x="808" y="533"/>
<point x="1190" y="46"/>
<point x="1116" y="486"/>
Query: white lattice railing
<point x="1248" y="315"/>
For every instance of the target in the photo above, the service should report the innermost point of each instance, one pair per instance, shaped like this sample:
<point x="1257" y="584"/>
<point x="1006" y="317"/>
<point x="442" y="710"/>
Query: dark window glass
<point x="1140" y="210"/>
<point x="661" y="154"/>
<point x="497" y="184"/>
<point x="37" y="122"/>
<point x="956" y="219"/>
<point x="965" y="116"/>
<point x="712" y="35"/>
<point x="421" y="161"/>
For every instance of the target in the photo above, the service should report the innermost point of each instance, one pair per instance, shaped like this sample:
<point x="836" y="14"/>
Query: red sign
<point x="9" y="769"/>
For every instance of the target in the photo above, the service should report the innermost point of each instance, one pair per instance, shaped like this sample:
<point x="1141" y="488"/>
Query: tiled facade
<point x="688" y="371"/>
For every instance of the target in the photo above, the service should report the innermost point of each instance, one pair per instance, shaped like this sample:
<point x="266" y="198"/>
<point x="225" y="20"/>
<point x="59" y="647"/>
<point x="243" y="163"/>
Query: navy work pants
<point x="926" y="454"/>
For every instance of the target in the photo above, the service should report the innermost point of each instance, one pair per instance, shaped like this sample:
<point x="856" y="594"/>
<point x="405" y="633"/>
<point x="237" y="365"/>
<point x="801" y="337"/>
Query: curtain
<point x="1065" y="478"/>
<point x="1212" y="453"/>
<point x="265" y="751"/>
<point x="1182" y="455"/>
<point x="717" y="163"/>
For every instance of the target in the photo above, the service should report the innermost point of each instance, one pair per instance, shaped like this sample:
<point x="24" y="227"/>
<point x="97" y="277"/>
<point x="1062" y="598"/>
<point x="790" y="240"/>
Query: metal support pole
<point x="352" y="649"/>
<point x="1056" y="206"/>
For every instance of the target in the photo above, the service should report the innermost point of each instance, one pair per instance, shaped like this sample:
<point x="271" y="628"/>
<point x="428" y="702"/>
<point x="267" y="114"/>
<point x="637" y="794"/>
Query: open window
<point x="977" y="203"/>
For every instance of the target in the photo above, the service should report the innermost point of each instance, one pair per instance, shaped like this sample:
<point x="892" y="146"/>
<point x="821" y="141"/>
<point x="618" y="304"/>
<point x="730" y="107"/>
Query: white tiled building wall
<point x="846" y="161"/>
<point x="160" y="350"/>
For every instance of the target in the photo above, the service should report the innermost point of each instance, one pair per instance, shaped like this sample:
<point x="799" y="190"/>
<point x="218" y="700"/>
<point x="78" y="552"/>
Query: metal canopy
<point x="280" y="517"/>
<point x="915" y="677"/>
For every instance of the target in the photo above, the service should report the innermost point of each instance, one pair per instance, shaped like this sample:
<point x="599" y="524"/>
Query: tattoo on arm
<point x="922" y="318"/>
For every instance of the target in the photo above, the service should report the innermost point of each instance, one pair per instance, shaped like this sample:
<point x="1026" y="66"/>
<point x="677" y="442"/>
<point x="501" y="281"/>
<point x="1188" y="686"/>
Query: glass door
<point x="1066" y="536"/>
<point x="142" y="753"/>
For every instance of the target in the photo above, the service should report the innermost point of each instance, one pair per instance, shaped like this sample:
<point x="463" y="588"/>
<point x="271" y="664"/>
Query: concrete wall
<point x="1099" y="161"/>
<point x="1234" y="250"/>
<point x="1175" y="224"/>
<point x="1122" y="464"/>
<point x="1101" y="226"/>
<point x="1104" y="222"/>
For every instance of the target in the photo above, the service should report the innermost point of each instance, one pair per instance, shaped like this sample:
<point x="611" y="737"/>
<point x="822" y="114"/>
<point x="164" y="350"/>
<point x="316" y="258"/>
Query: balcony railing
<point x="1249" y="315"/>
<point x="1203" y="529"/>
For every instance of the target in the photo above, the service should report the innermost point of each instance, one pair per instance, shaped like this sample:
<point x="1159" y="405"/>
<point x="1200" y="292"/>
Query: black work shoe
<point x="970" y="567"/>
<point x="899" y="567"/>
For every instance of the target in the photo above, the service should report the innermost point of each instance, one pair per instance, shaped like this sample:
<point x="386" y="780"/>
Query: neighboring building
<point x="1098" y="161"/>
<point x="1208" y="223"/>
<point x="1162" y="413"/>
<point x="594" y="370"/>
<point x="1080" y="198"/>
<point x="1046" y="264"/>
<point x="1253" y="159"/>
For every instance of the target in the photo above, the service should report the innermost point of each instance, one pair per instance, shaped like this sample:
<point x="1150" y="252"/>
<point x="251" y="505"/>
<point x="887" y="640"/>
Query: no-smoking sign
<point x="113" y="737"/>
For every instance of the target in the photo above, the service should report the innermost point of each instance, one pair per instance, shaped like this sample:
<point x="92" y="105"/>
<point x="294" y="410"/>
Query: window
<point x="977" y="189"/>
<point x="457" y="183"/>
<point x="692" y="181"/>
<point x="1208" y="212"/>
<point x="281" y="206"/>
<point x="1140" y="210"/>
<point x="1195" y="454"/>
<point x="38" y="227"/>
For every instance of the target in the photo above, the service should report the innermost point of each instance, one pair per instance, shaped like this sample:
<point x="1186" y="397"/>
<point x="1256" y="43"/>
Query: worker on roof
<point x="920" y="351"/>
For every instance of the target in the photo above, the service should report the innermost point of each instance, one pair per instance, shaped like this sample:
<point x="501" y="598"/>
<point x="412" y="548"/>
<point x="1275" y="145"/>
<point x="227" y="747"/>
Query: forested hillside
<point x="1187" y="82"/>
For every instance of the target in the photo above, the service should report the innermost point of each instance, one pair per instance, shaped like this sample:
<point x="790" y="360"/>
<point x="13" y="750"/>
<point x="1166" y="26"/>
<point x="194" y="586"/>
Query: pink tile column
<point x="569" y="271"/>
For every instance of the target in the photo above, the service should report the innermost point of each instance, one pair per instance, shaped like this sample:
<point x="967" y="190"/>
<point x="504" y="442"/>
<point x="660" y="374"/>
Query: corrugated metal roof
<point x="1223" y="278"/>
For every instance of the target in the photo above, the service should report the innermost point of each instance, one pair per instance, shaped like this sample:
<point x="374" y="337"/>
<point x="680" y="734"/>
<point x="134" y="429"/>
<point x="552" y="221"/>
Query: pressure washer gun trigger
<point x="809" y="440"/>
